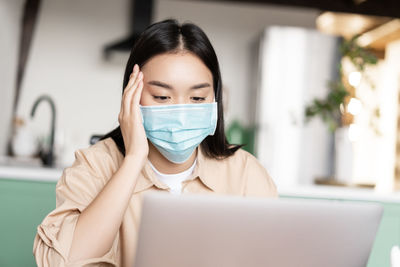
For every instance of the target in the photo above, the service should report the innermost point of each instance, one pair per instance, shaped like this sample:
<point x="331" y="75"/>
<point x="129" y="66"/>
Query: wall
<point x="10" y="21"/>
<point x="66" y="63"/>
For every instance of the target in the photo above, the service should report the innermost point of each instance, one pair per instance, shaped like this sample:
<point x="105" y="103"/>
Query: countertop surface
<point x="339" y="192"/>
<point x="30" y="173"/>
<point x="35" y="172"/>
<point x="28" y="169"/>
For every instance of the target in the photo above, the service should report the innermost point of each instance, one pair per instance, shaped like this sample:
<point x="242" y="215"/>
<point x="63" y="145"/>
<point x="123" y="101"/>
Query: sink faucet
<point x="47" y="157"/>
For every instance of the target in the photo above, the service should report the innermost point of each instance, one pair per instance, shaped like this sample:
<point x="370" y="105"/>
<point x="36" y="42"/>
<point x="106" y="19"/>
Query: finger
<point x="134" y="86"/>
<point x="132" y="78"/>
<point x="128" y="92"/>
<point x="138" y="93"/>
<point x="120" y="116"/>
<point x="136" y="100"/>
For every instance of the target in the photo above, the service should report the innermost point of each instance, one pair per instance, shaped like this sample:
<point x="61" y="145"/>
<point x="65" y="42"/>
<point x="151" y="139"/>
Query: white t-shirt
<point x="174" y="181"/>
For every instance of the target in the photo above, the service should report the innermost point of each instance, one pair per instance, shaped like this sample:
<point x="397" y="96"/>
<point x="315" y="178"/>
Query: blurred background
<point x="280" y="60"/>
<point x="311" y="88"/>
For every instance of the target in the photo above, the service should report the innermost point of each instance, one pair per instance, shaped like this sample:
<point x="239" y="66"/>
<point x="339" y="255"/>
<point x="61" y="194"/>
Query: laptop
<point x="233" y="231"/>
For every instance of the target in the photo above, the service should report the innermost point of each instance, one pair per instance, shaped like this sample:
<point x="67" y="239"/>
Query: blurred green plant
<point x="238" y="134"/>
<point x="330" y="109"/>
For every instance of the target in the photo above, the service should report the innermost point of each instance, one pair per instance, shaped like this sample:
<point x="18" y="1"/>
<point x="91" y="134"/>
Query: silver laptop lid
<point x="205" y="231"/>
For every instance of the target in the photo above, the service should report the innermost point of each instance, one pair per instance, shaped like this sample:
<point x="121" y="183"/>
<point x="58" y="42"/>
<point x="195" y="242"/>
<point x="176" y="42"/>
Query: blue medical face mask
<point x="176" y="130"/>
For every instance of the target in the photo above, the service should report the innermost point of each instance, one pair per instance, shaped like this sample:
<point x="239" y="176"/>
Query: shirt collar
<point x="201" y="171"/>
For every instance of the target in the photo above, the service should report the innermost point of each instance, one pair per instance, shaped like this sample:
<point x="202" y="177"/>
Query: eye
<point x="198" y="99"/>
<point x="161" y="98"/>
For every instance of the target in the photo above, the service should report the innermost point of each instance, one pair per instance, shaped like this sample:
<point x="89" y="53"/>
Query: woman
<point x="171" y="137"/>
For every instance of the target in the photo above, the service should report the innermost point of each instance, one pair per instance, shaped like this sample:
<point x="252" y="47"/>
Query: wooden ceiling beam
<point x="385" y="8"/>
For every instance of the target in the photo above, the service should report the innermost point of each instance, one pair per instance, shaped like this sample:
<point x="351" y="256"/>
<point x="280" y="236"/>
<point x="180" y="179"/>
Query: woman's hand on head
<point x="130" y="119"/>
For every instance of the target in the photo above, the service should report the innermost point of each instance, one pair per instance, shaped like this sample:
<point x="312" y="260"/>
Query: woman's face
<point x="176" y="79"/>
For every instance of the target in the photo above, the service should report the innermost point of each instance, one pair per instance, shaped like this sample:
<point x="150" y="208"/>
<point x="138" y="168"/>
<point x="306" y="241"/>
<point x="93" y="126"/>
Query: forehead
<point x="177" y="66"/>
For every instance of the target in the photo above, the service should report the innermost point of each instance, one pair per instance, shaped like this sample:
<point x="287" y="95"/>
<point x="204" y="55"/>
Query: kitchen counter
<point x="339" y="192"/>
<point x="30" y="173"/>
<point x="27" y="168"/>
<point x="34" y="172"/>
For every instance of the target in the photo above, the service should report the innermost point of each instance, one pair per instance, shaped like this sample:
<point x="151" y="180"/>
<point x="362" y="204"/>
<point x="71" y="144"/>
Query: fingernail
<point x="135" y="68"/>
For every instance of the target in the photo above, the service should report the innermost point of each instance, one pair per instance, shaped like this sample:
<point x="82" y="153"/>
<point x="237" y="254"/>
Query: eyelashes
<point x="196" y="98"/>
<point x="165" y="98"/>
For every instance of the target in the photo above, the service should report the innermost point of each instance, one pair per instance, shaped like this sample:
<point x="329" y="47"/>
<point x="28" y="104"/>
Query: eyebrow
<point x="167" y="86"/>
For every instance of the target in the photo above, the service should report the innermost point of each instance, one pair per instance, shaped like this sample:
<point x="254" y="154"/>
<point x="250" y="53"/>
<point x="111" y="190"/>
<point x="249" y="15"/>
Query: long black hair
<point x="168" y="36"/>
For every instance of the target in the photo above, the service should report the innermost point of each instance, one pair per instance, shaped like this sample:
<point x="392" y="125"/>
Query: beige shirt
<point x="240" y="174"/>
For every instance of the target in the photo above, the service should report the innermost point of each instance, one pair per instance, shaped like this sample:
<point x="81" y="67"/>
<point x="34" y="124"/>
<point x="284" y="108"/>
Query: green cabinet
<point x="388" y="234"/>
<point x="23" y="205"/>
